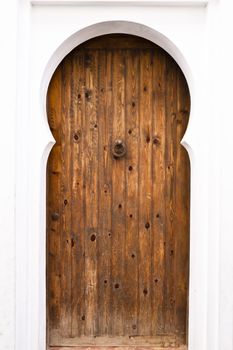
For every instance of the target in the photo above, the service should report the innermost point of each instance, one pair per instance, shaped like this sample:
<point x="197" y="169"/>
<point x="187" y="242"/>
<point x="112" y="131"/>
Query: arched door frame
<point x="35" y="325"/>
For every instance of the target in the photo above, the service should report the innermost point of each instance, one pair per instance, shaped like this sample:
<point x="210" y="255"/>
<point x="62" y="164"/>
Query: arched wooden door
<point x="117" y="198"/>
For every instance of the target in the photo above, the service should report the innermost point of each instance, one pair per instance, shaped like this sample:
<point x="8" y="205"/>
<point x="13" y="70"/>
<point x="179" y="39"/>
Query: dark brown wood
<point x="145" y="197"/>
<point x="118" y="42"/>
<point x="131" y="201"/>
<point x="78" y="195"/>
<point x="117" y="227"/>
<point x="158" y="140"/>
<point x="54" y="205"/>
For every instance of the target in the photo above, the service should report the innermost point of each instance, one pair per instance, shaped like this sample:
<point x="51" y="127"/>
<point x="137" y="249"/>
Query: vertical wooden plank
<point x="118" y="197"/>
<point x="105" y="190"/>
<point x="53" y="204"/>
<point x="182" y="206"/>
<point x="170" y="156"/>
<point x="65" y="324"/>
<point x="145" y="169"/>
<point x="158" y="190"/>
<point x="91" y="190"/>
<point x="131" y="204"/>
<point x="76" y="206"/>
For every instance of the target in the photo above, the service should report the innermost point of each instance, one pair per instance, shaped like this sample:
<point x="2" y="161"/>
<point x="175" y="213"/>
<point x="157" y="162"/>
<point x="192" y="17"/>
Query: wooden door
<point x="118" y="185"/>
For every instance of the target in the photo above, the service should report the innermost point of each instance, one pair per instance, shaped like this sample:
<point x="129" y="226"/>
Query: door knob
<point x="118" y="148"/>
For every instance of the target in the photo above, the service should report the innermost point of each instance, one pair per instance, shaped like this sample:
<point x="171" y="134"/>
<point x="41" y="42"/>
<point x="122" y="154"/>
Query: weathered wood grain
<point x="91" y="191"/>
<point x="158" y="193"/>
<point x="118" y="197"/>
<point x="54" y="203"/>
<point x="145" y="195"/>
<point x="105" y="110"/>
<point x="165" y="340"/>
<point x="77" y="138"/>
<point x="118" y="228"/>
<point x="65" y="195"/>
<point x="131" y="200"/>
<point x="170" y="187"/>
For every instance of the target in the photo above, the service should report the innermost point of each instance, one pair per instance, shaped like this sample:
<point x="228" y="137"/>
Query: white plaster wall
<point x="224" y="120"/>
<point x="204" y="36"/>
<point x="8" y="25"/>
<point x="186" y="29"/>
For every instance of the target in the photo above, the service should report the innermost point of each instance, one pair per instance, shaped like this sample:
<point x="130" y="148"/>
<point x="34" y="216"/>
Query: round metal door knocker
<point x="118" y="148"/>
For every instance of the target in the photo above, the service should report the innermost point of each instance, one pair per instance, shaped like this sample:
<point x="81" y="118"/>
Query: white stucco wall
<point x="8" y="32"/>
<point x="203" y="36"/>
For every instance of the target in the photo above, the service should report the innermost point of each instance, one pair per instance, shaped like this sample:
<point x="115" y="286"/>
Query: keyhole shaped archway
<point x="118" y="227"/>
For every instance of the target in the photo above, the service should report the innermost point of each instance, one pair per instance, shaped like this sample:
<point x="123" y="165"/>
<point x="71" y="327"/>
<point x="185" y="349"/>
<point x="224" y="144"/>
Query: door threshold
<point x="182" y="347"/>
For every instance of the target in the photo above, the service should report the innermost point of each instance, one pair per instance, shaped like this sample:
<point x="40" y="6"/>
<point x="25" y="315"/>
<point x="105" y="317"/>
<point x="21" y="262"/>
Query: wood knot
<point x="156" y="140"/>
<point x="148" y="139"/>
<point x="147" y="225"/>
<point x="93" y="237"/>
<point x="76" y="136"/>
<point x="88" y="94"/>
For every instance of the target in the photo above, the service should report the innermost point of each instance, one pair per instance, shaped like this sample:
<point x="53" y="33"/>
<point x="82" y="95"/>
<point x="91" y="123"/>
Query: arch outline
<point x="120" y="27"/>
<point x="77" y="38"/>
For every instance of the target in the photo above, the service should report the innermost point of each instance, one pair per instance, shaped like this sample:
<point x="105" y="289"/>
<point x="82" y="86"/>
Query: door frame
<point x="32" y="158"/>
